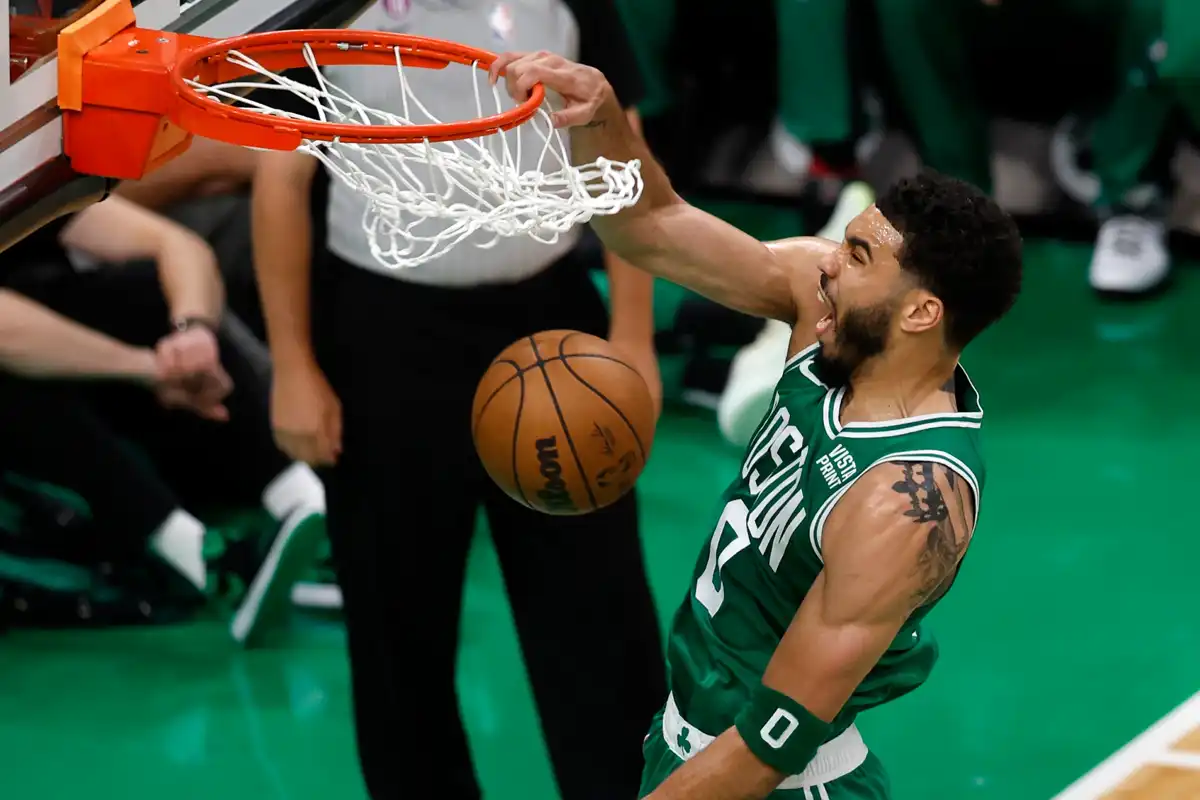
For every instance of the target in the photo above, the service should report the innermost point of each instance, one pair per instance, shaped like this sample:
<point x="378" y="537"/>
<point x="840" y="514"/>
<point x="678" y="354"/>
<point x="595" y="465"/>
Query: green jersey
<point x="765" y="551"/>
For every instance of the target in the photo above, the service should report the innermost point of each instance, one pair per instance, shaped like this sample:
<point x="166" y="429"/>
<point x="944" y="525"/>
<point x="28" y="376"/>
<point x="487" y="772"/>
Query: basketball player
<point x="382" y="390"/>
<point x="859" y="492"/>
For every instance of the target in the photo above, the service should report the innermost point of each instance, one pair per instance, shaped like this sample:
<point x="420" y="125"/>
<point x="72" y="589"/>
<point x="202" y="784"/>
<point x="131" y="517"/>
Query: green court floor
<point x="1072" y="627"/>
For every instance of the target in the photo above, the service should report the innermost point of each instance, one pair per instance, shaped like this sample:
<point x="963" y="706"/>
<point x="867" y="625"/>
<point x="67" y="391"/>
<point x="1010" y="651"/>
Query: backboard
<point x="36" y="182"/>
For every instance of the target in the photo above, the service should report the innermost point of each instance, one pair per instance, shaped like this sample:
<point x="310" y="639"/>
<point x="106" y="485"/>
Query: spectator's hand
<point x="191" y="352"/>
<point x="203" y="395"/>
<point x="584" y="90"/>
<point x="639" y="353"/>
<point x="306" y="415"/>
<point x="190" y="375"/>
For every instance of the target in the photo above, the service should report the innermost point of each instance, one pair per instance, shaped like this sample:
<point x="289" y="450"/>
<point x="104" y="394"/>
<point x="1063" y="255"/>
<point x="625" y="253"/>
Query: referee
<point x="379" y="388"/>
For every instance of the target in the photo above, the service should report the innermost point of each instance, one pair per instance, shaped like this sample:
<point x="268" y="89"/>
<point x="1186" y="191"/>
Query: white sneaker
<point x="757" y="367"/>
<point x="292" y="553"/>
<point x="854" y="199"/>
<point x="321" y="596"/>
<point x="1131" y="255"/>
<point x="755" y="370"/>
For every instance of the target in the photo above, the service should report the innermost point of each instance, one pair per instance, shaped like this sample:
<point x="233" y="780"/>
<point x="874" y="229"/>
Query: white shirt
<point x="523" y="25"/>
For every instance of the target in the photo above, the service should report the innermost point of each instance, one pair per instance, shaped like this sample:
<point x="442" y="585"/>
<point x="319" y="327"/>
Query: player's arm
<point x="661" y="234"/>
<point x="631" y="309"/>
<point x="117" y="231"/>
<point x="604" y="44"/>
<point x="632" y="290"/>
<point x="36" y="342"/>
<point x="890" y="546"/>
<point x="281" y="219"/>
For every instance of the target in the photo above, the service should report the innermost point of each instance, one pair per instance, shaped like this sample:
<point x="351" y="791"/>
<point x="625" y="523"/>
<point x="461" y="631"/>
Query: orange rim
<point x="278" y="51"/>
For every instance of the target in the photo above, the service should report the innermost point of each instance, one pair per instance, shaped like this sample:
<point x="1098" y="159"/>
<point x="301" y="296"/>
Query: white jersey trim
<point x="899" y="427"/>
<point x="832" y="408"/>
<point x="795" y="359"/>
<point x="816" y="530"/>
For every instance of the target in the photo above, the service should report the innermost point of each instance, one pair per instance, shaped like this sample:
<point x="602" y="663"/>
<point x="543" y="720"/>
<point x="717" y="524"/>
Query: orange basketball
<point x="561" y="423"/>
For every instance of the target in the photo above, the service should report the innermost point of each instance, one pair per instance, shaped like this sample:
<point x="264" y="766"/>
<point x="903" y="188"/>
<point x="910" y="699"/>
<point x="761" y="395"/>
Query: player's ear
<point x="921" y="311"/>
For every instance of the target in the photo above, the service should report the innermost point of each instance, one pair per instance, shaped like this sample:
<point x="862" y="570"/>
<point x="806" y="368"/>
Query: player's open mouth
<point x="825" y="323"/>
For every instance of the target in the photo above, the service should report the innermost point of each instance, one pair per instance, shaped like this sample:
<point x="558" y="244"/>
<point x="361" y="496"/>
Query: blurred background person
<point x="816" y="135"/>
<point x="933" y="49"/>
<point x="146" y="310"/>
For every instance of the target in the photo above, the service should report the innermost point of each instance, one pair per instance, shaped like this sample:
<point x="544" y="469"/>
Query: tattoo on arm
<point x="947" y="529"/>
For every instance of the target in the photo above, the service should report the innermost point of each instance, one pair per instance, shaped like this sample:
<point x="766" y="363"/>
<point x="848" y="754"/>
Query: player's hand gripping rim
<point x="584" y="90"/>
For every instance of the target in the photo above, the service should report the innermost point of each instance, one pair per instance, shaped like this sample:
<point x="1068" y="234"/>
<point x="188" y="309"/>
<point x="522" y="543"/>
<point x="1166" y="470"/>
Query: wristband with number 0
<point x="780" y="732"/>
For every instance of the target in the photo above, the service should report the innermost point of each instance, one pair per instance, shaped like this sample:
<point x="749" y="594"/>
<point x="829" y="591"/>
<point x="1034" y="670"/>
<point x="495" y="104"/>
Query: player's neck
<point x="898" y="385"/>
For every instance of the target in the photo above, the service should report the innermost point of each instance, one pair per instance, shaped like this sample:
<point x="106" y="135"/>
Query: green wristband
<point x="780" y="732"/>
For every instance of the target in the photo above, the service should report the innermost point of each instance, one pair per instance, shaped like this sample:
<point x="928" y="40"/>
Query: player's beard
<point x="859" y="334"/>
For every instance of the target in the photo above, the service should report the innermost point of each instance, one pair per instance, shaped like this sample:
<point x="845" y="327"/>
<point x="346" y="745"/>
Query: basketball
<point x="561" y="423"/>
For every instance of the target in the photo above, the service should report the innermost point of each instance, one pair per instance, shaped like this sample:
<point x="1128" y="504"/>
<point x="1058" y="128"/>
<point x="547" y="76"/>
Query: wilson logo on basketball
<point x="554" y="493"/>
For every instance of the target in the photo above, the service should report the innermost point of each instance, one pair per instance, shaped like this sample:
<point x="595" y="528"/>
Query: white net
<point x="425" y="198"/>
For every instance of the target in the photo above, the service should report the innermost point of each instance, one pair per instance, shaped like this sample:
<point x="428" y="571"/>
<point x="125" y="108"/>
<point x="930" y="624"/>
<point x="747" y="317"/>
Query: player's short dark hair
<point x="960" y="245"/>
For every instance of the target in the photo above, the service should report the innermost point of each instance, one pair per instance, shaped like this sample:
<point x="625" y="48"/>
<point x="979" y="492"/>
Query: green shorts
<point x="868" y="781"/>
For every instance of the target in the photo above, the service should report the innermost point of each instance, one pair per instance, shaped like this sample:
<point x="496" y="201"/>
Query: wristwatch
<point x="181" y="324"/>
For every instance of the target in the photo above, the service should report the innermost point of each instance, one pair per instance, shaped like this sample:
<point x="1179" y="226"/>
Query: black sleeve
<point x="604" y="44"/>
<point x="39" y="248"/>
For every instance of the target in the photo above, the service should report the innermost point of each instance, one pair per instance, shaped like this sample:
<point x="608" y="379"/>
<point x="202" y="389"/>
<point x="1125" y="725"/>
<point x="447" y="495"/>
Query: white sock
<point x="180" y="542"/>
<point x="294" y="488"/>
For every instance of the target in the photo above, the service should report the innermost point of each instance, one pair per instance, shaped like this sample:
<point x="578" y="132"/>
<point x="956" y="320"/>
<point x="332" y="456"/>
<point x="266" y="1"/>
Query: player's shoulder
<point x="902" y="527"/>
<point x="896" y="493"/>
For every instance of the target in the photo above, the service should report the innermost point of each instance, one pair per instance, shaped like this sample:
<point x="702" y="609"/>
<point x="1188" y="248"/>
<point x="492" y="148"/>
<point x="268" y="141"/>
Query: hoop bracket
<point x="114" y="88"/>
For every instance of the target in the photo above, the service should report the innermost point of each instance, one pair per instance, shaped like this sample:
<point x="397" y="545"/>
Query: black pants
<point x="78" y="435"/>
<point x="402" y="502"/>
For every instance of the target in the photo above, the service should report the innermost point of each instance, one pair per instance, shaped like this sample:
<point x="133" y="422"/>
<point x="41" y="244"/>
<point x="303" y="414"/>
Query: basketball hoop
<point x="133" y="98"/>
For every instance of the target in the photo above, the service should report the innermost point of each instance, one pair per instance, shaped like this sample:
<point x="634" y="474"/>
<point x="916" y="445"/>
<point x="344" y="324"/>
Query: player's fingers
<point x="511" y="64"/>
<point x="500" y="64"/>
<point x="545" y="68"/>
<point x="574" y="115"/>
<point x="563" y="81"/>
<point x="521" y="82"/>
